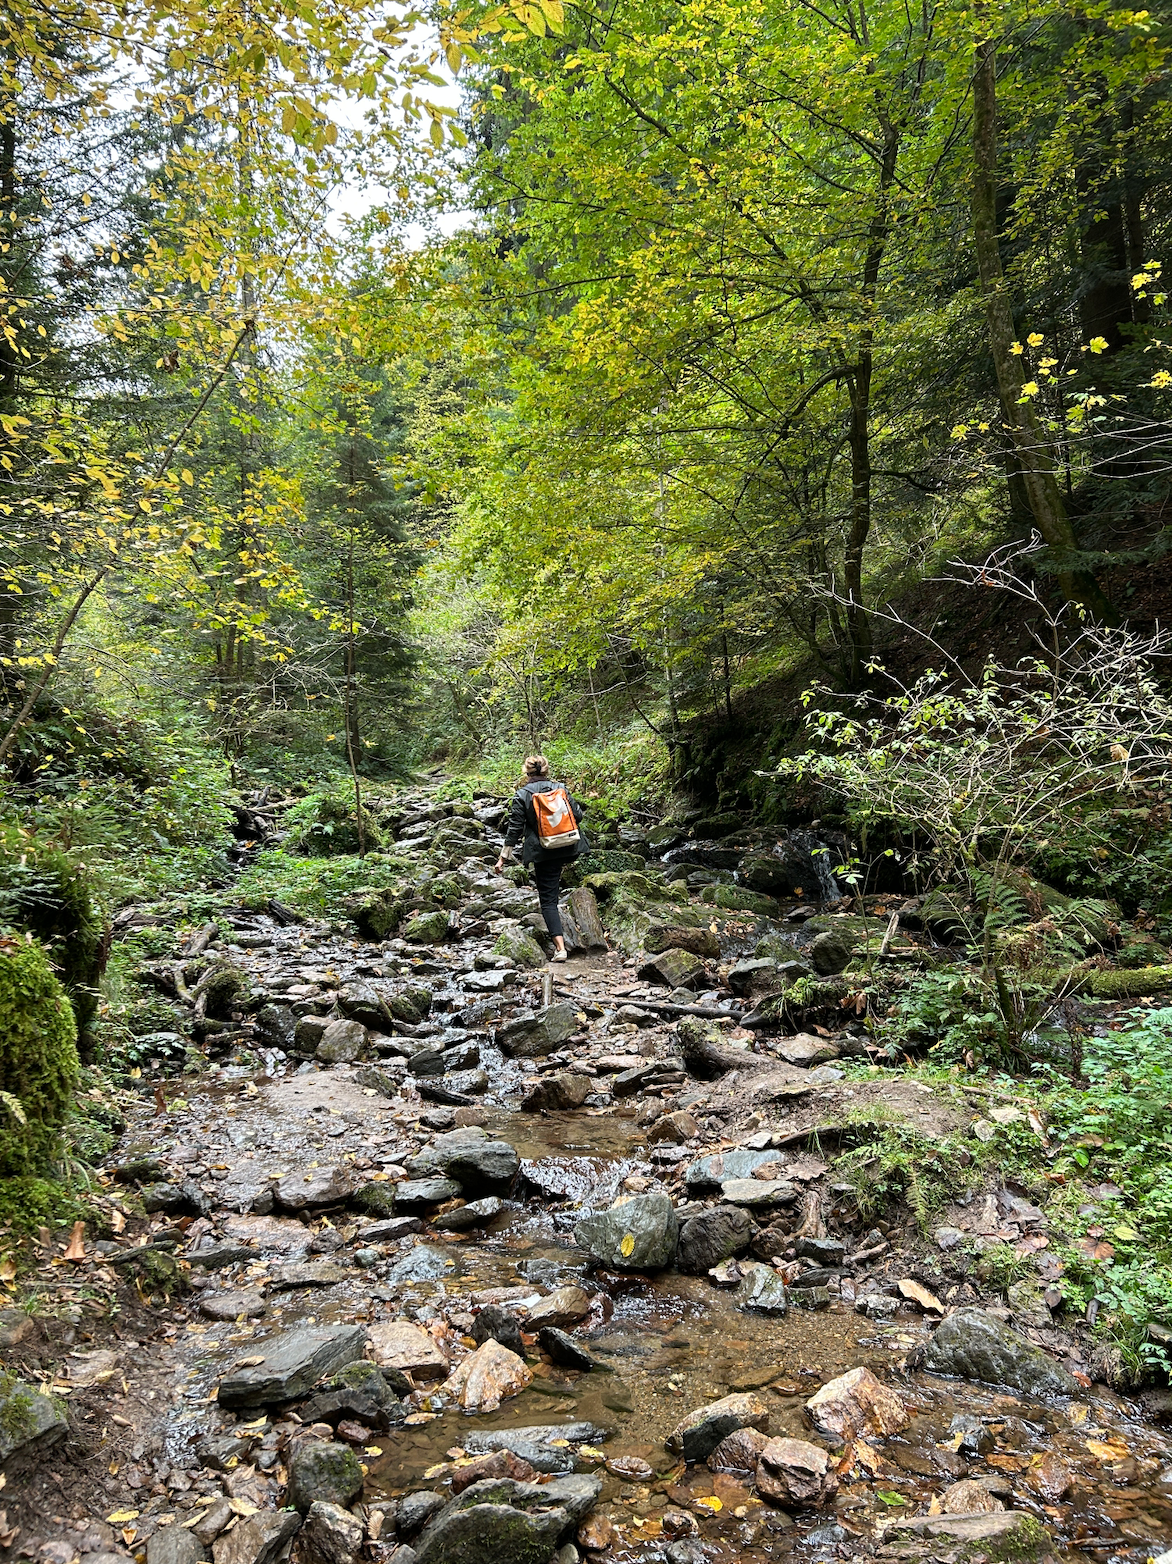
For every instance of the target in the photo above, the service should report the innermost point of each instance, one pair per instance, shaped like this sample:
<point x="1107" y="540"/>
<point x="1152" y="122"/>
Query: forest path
<point x="304" y="1213"/>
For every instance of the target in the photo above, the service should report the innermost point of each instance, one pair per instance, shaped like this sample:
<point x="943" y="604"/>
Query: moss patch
<point x="38" y="1057"/>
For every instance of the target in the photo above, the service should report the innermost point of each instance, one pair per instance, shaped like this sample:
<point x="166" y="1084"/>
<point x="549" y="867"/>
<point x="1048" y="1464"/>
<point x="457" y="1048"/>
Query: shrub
<point x="38" y="1057"/>
<point x="325" y="825"/>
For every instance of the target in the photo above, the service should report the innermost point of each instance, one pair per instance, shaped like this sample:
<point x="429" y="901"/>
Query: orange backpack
<point x="556" y="826"/>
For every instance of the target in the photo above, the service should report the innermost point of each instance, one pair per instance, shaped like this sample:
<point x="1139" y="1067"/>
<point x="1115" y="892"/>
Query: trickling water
<point x="823" y="858"/>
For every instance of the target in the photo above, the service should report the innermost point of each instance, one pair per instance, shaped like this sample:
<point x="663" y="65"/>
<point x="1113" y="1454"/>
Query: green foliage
<point x="38" y="1056"/>
<point x="999" y="1266"/>
<point x="28" y="1203"/>
<point x="317" y="885"/>
<point x="894" y="1162"/>
<point x="326" y="825"/>
<point x="47" y="892"/>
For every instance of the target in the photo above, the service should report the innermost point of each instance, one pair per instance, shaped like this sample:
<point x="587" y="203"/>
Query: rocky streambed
<point x="452" y="1256"/>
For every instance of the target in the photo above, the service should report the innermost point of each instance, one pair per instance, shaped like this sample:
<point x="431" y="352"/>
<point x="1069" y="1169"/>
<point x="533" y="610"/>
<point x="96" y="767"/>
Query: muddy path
<point x="277" y="1195"/>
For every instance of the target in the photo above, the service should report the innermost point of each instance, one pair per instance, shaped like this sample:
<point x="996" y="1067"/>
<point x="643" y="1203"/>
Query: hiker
<point x="545" y="818"/>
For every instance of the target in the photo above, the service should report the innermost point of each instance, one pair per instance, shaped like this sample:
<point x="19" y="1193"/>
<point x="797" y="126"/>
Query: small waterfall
<point x="823" y="858"/>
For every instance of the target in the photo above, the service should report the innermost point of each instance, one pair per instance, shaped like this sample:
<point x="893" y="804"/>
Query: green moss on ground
<point x="38" y="1057"/>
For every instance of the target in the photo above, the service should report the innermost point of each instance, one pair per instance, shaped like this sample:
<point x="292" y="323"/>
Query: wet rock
<point x="558" y="1093"/>
<point x="1052" y="1478"/>
<point x="795" y="1474"/>
<point x="184" y="1199"/>
<point x="596" y="1533"/>
<point x="480" y="1165"/>
<point x="28" y="1420"/>
<point x="698" y="1434"/>
<point x="331" y="1535"/>
<point x="394" y="1227"/>
<point x="709" y="1172"/>
<point x="827" y="1251"/>
<point x="972" y="1344"/>
<point x="274" y="1026"/>
<point x="416" y="1194"/>
<point x="416" y="1510"/>
<point x="1012" y="1535"/>
<point x="738" y="1452"/>
<point x="520" y="949"/>
<point x="508" y="1522"/>
<point x="323" y="1471"/>
<point x="813" y="1298"/>
<point x="308" y="1273"/>
<point x="360" y="1001"/>
<point x="308" y="1033"/>
<point x="375" y="1198"/>
<point x="291" y="1364"/>
<point x="421" y="1263"/>
<point x="428" y="928"/>
<point x="397" y="1344"/>
<point x="342" y="1042"/>
<point x="673" y="1129"/>
<point x="637" y="1235"/>
<point x="175" y="1545"/>
<point x="563" y="1306"/>
<point x="315" y="1187"/>
<point x="476" y="1213"/>
<point x="498" y="1463"/>
<point x="246" y="1304"/>
<point x="258" y="1539"/>
<point x="222" y="1451"/>
<point x="856" y="1403"/>
<point x="535" y="1034"/>
<point x="359" y="1393"/>
<point x="976" y="1440"/>
<point x="496" y="1324"/>
<point x="487" y="1377"/>
<point x="766" y="1293"/>
<point x="878" y="1306"/>
<point x="564" y="1350"/>
<point x="674" y="969"/>
<point x="712" y="1236"/>
<point x="411" y="1004"/>
<point x="697" y="942"/>
<point x="969" y="1497"/>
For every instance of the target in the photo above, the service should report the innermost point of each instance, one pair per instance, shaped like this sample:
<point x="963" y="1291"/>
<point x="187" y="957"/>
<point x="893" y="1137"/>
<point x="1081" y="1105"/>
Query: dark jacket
<point x="522" y="826"/>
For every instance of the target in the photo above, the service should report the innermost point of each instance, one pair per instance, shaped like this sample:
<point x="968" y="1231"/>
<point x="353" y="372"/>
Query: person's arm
<point x="514" y="831"/>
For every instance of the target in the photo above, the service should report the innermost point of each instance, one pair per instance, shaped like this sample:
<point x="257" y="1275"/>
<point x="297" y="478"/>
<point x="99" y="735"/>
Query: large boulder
<point x="315" y="1187"/>
<point x="427" y="928"/>
<point x="831" y="952"/>
<point x="258" y="1539"/>
<point x="698" y="1434"/>
<point x="856" y="1403"/>
<point x="674" y="968"/>
<point x="342" y="1042"/>
<point x="291" y="1364"/>
<point x="558" y="1093"/>
<point x="520" y="949"/>
<point x="972" y="1344"/>
<point x="698" y="942"/>
<point x="331" y="1535"/>
<point x="712" y="1236"/>
<point x="636" y="1235"/>
<point x="398" y="1344"/>
<point x="361" y="1001"/>
<point x="1012" y="1537"/>
<point x="532" y="1035"/>
<point x="507" y="1522"/>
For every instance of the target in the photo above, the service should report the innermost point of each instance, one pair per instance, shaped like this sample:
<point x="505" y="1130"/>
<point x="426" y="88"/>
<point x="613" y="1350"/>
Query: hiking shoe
<point x="559" y="955"/>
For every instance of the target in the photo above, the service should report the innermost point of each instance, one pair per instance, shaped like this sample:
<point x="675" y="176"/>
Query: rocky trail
<point x="450" y="1255"/>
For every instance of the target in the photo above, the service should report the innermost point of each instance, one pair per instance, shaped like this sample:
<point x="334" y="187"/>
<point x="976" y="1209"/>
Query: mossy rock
<point x="377" y="913"/>
<point x="446" y="889"/>
<point x="411" y="1004"/>
<point x="732" y="898"/>
<point x="45" y="894"/>
<point x="630" y="882"/>
<point x="28" y="1203"/>
<point x="519" y="947"/>
<point x="225" y="990"/>
<point x="609" y="860"/>
<point x="427" y="928"/>
<point x="375" y="1199"/>
<point x="38" y="1057"/>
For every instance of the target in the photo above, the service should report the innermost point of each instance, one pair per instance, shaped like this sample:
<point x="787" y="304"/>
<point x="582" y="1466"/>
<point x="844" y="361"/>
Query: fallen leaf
<point x="119" y="1516"/>
<point x="916" y="1294"/>
<point x="710" y="1503"/>
<point x="243" y="1507"/>
<point x="1108" y="1449"/>
<point x="1095" y="1249"/>
<point x="627" y="1247"/>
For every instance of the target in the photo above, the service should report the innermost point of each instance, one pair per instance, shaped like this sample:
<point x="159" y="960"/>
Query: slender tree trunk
<point x="350" y="695"/>
<point x="1025" y="430"/>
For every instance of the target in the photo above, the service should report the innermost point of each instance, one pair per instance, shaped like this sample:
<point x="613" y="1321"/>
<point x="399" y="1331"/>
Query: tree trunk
<point x="1024" y="427"/>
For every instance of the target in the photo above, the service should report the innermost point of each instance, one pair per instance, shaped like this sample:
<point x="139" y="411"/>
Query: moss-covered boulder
<point x="609" y="860"/>
<point x="427" y="928"/>
<point x="377" y="913"/>
<point x="411" y="1004"/>
<point x="519" y="947"/>
<point x="43" y="892"/>
<point x="733" y="898"/>
<point x="38" y="1057"/>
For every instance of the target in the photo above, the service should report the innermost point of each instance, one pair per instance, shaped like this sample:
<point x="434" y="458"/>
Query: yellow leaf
<point x="122" y="1515"/>
<point x="242" y="1507"/>
<point x="711" y="1503"/>
<point x="187" y="478"/>
<point x="627" y="1247"/>
<point x="1098" y="344"/>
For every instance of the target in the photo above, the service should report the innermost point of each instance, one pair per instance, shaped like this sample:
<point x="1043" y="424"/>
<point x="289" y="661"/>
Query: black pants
<point x="547" y="875"/>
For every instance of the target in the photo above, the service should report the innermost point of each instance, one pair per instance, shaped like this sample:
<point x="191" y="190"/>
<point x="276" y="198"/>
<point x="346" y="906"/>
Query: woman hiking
<point x="545" y="817"/>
